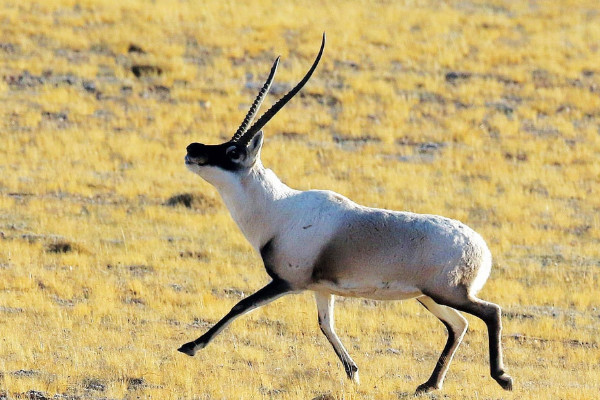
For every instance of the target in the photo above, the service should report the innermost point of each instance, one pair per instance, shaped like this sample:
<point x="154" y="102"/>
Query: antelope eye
<point x="234" y="153"/>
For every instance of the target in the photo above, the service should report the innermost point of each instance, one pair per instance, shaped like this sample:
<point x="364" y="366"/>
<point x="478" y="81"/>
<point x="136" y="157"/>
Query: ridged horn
<point x="256" y="104"/>
<point x="266" y="117"/>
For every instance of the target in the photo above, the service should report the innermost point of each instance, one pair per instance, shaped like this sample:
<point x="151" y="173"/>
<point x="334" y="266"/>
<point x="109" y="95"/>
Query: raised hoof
<point x="188" y="348"/>
<point x="505" y="381"/>
<point x="426" y="388"/>
<point x="355" y="378"/>
<point x="352" y="373"/>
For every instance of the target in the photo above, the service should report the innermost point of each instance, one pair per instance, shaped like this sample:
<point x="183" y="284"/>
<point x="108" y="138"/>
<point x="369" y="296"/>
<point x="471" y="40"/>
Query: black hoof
<point x="426" y="388"/>
<point x="354" y="377"/>
<point x="352" y="373"/>
<point x="505" y="381"/>
<point x="188" y="348"/>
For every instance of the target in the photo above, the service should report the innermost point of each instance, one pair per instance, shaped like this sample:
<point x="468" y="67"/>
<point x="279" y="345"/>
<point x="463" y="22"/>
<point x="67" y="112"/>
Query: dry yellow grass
<point x="486" y="111"/>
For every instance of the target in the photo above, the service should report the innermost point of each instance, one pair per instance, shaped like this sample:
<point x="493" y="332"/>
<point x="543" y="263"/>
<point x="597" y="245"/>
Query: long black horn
<point x="256" y="104"/>
<point x="281" y="102"/>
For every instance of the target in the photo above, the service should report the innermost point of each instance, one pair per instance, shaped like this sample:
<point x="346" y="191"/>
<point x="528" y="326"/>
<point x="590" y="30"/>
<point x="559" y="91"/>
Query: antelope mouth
<point x="193" y="161"/>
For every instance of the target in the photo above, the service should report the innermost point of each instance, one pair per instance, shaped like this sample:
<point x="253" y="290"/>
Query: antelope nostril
<point x="194" y="149"/>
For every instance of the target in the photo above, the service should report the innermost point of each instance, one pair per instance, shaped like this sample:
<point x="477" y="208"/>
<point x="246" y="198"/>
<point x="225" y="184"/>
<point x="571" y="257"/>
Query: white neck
<point x="252" y="201"/>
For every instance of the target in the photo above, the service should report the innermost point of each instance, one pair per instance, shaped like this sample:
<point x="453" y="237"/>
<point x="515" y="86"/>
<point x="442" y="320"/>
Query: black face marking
<point x="228" y="156"/>
<point x="266" y="252"/>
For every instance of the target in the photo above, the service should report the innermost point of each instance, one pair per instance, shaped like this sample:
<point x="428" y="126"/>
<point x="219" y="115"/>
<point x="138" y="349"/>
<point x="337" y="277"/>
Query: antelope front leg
<point x="267" y="294"/>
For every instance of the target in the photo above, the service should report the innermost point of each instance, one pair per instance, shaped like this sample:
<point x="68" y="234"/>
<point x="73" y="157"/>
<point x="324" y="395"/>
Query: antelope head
<point x="242" y="151"/>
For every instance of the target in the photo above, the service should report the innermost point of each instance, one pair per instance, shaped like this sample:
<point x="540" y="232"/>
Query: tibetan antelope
<point x="321" y="241"/>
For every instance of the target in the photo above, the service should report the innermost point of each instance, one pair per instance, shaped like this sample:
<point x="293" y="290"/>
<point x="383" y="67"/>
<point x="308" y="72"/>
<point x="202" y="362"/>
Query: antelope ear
<point x="253" y="148"/>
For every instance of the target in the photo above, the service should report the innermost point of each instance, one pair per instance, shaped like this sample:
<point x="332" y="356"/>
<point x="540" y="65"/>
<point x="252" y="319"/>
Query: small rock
<point x="8" y="47"/>
<point x="36" y="395"/>
<point x="58" y="116"/>
<point x="176" y="287"/>
<point x="134" y="48"/>
<point x="135" y="383"/>
<point x="59" y="247"/>
<point x="184" y="199"/>
<point x="25" y="373"/>
<point x="89" y="86"/>
<point x="325" y="396"/>
<point x="453" y="76"/>
<point x="140" y="270"/>
<point x="429" y="147"/>
<point x="94" y="384"/>
<point x="144" y="70"/>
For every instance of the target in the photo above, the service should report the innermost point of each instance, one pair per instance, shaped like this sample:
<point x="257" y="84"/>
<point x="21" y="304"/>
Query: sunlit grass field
<point x="481" y="110"/>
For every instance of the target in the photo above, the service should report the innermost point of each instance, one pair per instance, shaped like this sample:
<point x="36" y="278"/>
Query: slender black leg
<point x="456" y="325"/>
<point x="490" y="313"/>
<point x="267" y="294"/>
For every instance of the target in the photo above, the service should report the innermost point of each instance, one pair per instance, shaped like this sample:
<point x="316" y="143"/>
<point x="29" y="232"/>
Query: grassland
<point x="482" y="110"/>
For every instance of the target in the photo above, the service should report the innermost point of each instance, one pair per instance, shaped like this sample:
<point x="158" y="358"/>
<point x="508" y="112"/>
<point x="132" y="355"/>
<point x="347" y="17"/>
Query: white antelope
<point x="321" y="241"/>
